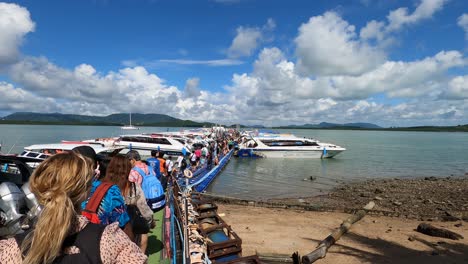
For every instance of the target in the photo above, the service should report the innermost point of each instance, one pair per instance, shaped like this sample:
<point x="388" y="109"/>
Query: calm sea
<point x="369" y="155"/>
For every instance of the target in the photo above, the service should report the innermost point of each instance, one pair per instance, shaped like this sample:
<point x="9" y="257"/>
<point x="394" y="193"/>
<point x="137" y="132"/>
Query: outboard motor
<point x="34" y="209"/>
<point x="11" y="201"/>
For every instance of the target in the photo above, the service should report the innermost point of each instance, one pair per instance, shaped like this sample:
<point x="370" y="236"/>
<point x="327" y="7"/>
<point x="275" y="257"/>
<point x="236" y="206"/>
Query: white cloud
<point x="15" y="23"/>
<point x="17" y="99"/>
<point x="343" y="73"/>
<point x="192" y="88"/>
<point x="222" y="62"/>
<point x="248" y="38"/>
<point x="457" y="88"/>
<point x="463" y="23"/>
<point x="328" y="45"/>
<point x="275" y="92"/>
<point x="83" y="90"/>
<point x="399" y="18"/>
<point x="373" y="29"/>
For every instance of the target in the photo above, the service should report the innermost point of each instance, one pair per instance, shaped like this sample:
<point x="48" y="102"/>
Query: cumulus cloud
<point x="248" y="38"/>
<point x="463" y="23"/>
<point x="334" y="78"/>
<point x="399" y="18"/>
<point x="15" y="23"/>
<point x="457" y="88"/>
<point x="328" y="45"/>
<point x="275" y="87"/>
<point x="86" y="91"/>
<point x="192" y="88"/>
<point x="18" y="99"/>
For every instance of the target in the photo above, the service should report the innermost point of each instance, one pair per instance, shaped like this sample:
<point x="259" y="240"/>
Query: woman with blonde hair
<point x="61" y="235"/>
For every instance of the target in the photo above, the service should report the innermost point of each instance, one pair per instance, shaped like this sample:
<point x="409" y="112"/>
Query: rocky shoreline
<point x="428" y="198"/>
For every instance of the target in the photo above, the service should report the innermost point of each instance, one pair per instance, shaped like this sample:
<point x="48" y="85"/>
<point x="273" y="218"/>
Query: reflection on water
<point x="369" y="155"/>
<point x="275" y="178"/>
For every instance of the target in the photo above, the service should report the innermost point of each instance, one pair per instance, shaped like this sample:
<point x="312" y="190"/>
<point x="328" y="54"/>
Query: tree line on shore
<point x="160" y="120"/>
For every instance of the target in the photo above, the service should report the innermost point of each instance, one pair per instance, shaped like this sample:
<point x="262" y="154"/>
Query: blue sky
<point x="256" y="62"/>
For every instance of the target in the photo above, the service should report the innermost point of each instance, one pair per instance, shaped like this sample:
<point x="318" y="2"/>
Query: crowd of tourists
<point x="100" y="210"/>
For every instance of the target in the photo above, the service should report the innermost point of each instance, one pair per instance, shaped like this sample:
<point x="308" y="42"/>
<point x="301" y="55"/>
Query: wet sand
<point x="374" y="239"/>
<point x="382" y="236"/>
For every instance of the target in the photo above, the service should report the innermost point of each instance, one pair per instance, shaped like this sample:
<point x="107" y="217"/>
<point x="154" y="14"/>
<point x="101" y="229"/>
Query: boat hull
<point x="301" y="154"/>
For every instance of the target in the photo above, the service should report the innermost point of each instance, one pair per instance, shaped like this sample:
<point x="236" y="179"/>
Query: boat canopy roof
<point x="68" y="146"/>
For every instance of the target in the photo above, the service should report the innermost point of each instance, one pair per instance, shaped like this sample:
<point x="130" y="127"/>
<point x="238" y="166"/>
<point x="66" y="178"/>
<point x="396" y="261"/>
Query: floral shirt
<point x="115" y="246"/>
<point x="112" y="208"/>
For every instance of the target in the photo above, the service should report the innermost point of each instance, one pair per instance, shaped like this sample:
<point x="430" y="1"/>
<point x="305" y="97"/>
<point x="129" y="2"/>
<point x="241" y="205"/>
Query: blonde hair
<point x="60" y="184"/>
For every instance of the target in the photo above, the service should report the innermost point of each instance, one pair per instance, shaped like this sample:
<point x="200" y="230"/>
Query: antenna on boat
<point x="14" y="145"/>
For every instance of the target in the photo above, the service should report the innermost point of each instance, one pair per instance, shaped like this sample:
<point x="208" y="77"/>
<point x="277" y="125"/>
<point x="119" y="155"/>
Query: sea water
<point x="369" y="155"/>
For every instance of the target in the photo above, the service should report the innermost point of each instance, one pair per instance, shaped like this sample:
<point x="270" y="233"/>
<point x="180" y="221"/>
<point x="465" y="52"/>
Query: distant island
<point x="120" y="119"/>
<point x="160" y="120"/>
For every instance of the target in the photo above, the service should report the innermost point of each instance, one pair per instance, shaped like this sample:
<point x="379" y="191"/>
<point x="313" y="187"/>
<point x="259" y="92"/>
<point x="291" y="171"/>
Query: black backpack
<point x="87" y="240"/>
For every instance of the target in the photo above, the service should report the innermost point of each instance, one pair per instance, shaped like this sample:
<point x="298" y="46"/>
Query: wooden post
<point x="323" y="247"/>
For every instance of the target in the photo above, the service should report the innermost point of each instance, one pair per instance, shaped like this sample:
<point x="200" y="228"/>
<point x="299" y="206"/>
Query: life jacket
<point x="92" y="206"/>
<point x="152" y="188"/>
<point x="162" y="165"/>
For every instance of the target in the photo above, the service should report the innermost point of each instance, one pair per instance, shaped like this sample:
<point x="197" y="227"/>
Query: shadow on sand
<point x="390" y="252"/>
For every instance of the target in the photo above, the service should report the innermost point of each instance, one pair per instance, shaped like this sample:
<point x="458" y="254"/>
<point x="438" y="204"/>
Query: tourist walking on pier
<point x="61" y="235"/>
<point x="105" y="204"/>
<point x="154" y="163"/>
<point x="145" y="177"/>
<point x="117" y="173"/>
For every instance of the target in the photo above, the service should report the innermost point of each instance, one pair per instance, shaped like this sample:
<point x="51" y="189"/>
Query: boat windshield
<point x="288" y="143"/>
<point x="160" y="141"/>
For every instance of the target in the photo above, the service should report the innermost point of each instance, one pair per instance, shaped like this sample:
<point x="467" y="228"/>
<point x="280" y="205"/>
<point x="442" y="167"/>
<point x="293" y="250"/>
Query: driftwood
<point x="323" y="247"/>
<point x="274" y="258"/>
<point x="437" y="232"/>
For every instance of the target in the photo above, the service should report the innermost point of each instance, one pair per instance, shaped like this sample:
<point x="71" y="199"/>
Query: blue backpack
<point x="152" y="188"/>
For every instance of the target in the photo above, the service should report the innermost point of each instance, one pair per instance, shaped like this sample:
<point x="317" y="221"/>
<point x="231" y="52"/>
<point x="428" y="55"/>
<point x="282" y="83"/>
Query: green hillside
<point x="110" y="120"/>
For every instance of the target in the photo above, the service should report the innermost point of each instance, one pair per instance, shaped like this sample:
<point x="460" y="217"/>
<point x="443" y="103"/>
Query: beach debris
<point x="397" y="203"/>
<point x="450" y="217"/>
<point x="273" y="258"/>
<point x="378" y="198"/>
<point x="458" y="225"/>
<point x="431" y="230"/>
<point x="301" y="200"/>
<point x="325" y="244"/>
<point x="411" y="238"/>
<point x="296" y="257"/>
<point x="312" y="178"/>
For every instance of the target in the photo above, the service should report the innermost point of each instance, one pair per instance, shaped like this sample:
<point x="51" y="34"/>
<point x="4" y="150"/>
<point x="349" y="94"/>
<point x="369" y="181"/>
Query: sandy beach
<point x="387" y="235"/>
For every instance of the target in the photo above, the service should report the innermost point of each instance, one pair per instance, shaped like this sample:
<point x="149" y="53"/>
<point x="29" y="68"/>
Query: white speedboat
<point x="287" y="146"/>
<point x="144" y="143"/>
<point x="38" y="152"/>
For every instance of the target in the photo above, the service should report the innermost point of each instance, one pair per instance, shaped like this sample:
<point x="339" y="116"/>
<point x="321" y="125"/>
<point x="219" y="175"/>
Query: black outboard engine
<point x="11" y="201"/>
